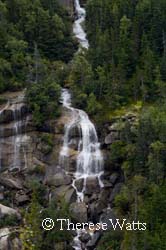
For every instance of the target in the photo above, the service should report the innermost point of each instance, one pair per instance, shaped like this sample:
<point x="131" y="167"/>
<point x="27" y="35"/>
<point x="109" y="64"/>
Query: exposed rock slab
<point x="79" y="212"/>
<point x="11" y="183"/>
<point x="67" y="193"/>
<point x="59" y="179"/>
<point x="8" y="211"/>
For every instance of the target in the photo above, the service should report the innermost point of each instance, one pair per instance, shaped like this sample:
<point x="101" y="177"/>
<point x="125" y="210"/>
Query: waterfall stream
<point x="78" y="25"/>
<point x="2" y="133"/>
<point x="18" y="139"/>
<point x="89" y="160"/>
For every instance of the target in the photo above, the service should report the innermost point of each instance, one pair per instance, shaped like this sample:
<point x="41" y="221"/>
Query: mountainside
<point x="82" y="124"/>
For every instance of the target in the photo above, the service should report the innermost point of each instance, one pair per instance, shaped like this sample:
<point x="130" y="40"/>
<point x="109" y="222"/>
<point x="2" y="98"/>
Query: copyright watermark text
<point x="66" y="224"/>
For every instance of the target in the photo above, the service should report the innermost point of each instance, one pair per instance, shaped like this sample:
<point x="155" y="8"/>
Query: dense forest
<point x="125" y="66"/>
<point x="36" y="37"/>
<point x="124" y="70"/>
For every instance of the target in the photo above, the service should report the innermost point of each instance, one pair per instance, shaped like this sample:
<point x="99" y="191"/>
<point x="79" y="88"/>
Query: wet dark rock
<point x="74" y="143"/>
<point x="115" y="191"/>
<point x="103" y="199"/>
<point x="92" y="185"/>
<point x="114" y="177"/>
<point x="107" y="184"/>
<point x="94" y="212"/>
<point x="79" y="184"/>
<point x="107" y="216"/>
<point x="95" y="239"/>
<point x="8" y="116"/>
<point x="79" y="212"/>
<point x="85" y="237"/>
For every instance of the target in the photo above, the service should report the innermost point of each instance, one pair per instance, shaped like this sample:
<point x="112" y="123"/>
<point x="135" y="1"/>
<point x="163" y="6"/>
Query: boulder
<point x="106" y="216"/>
<point x="94" y="212"/>
<point x="59" y="179"/>
<point x="92" y="185"/>
<point x="67" y="193"/>
<point x="4" y="238"/>
<point x="103" y="199"/>
<point x="11" y="182"/>
<point x="7" y="241"/>
<point x="107" y="184"/>
<point x="79" y="212"/>
<point x="112" y="137"/>
<point x="8" y="211"/>
<point x="21" y="198"/>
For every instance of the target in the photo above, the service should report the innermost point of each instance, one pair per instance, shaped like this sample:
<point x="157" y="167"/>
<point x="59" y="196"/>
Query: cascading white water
<point x="89" y="160"/>
<point x="18" y="138"/>
<point x="77" y="27"/>
<point x="2" y="134"/>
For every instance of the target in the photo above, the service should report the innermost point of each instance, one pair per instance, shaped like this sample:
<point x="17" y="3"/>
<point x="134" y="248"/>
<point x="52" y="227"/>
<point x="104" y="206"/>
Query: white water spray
<point x="89" y="161"/>
<point x="77" y="27"/>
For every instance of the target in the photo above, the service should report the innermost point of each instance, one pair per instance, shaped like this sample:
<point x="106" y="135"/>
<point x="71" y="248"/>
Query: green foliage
<point x="142" y="157"/>
<point x="56" y="211"/>
<point x="93" y="106"/>
<point x="25" y="23"/>
<point x="126" y="59"/>
<point x="43" y="101"/>
<point x="9" y="221"/>
<point x="32" y="234"/>
<point x="111" y="240"/>
<point x="47" y="139"/>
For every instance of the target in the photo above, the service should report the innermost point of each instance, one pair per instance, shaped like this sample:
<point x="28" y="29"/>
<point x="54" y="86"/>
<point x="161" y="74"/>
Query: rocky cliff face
<point x="27" y="154"/>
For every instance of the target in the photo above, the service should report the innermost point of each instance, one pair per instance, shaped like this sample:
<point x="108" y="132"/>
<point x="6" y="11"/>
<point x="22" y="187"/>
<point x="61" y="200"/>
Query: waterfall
<point x="17" y="129"/>
<point x="89" y="160"/>
<point x="2" y="134"/>
<point x="18" y="138"/>
<point x="77" y="27"/>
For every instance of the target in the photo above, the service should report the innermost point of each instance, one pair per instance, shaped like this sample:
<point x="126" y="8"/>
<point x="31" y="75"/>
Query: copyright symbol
<point x="48" y="224"/>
